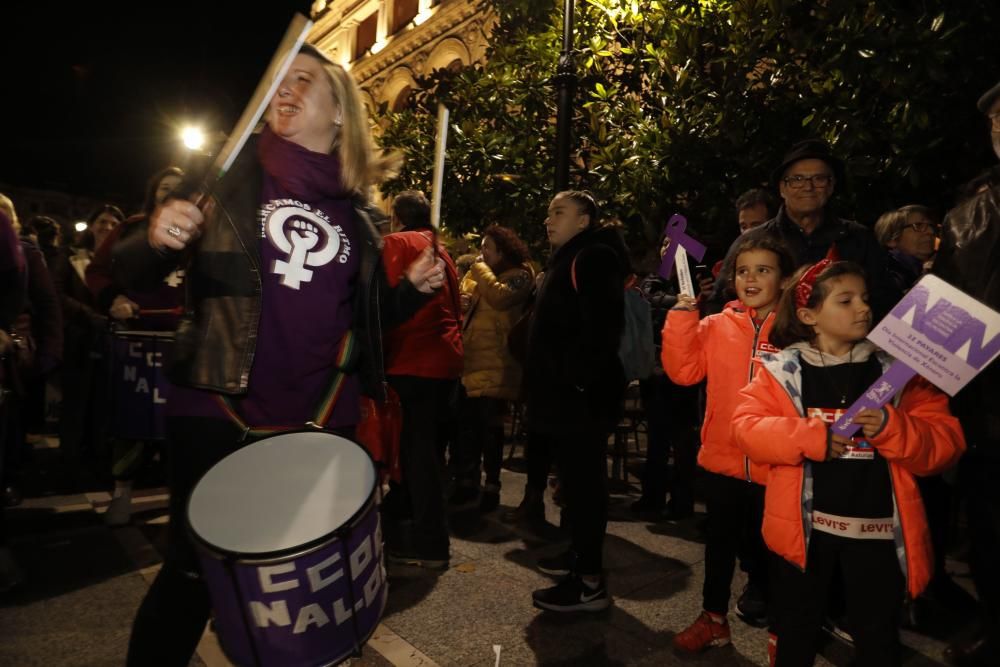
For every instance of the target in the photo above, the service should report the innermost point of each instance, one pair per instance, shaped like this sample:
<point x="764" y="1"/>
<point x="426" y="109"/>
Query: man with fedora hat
<point x="969" y="260"/>
<point x="806" y="179"/>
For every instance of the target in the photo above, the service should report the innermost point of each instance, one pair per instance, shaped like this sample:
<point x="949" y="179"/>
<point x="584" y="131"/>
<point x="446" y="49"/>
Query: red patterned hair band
<point x="804" y="286"/>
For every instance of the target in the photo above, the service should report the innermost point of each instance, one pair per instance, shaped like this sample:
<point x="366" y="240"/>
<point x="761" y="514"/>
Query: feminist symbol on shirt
<point x="309" y="241"/>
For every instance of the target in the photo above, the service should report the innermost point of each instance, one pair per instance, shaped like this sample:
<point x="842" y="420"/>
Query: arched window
<point x="402" y="99"/>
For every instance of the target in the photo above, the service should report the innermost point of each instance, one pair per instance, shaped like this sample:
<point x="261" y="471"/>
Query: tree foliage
<point x="681" y="105"/>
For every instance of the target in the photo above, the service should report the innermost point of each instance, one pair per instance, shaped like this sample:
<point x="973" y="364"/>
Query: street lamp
<point x="565" y="80"/>
<point x="193" y="138"/>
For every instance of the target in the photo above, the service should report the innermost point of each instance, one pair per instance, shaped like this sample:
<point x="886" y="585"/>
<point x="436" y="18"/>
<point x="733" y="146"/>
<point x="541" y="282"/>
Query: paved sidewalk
<point x="85" y="581"/>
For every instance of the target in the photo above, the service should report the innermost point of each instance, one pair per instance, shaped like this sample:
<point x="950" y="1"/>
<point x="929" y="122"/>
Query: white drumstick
<point x="439" y="150"/>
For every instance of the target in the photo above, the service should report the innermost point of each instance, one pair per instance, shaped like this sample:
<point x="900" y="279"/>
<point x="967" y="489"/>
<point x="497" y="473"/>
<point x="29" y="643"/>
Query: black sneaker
<point x="752" y="606"/>
<point x="677" y="513"/>
<point x="463" y="494"/>
<point x="530" y="511"/>
<point x="573" y="595"/>
<point x="489" y="499"/>
<point x="417" y="560"/>
<point x="648" y="505"/>
<point x="836" y="629"/>
<point x="557" y="566"/>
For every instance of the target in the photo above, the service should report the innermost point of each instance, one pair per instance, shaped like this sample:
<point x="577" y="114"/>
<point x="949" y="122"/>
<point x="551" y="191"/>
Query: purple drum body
<point x="139" y="383"/>
<point x="291" y="549"/>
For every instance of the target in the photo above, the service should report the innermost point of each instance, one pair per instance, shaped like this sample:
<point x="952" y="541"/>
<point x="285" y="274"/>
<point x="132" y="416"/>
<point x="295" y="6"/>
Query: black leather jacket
<point x="216" y="340"/>
<point x="969" y="259"/>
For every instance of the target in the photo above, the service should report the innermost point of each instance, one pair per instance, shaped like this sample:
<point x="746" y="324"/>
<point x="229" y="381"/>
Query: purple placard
<point x="676" y="232"/>
<point x="141" y="388"/>
<point x="937" y="331"/>
<point x="302" y="612"/>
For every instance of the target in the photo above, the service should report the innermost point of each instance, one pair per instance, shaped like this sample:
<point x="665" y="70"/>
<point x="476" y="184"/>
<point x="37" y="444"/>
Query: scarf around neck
<point x="303" y="173"/>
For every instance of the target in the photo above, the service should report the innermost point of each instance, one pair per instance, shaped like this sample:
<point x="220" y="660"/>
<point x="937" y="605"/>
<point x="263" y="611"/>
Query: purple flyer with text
<point x="936" y="331"/>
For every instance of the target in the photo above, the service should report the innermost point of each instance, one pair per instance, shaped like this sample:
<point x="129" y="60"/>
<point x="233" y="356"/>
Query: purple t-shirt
<point x="309" y="268"/>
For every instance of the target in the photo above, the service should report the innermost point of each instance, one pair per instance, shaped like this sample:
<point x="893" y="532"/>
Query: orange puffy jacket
<point x="721" y="347"/>
<point x="920" y="437"/>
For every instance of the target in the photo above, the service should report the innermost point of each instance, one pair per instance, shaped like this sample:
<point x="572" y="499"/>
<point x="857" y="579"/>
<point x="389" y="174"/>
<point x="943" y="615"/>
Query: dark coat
<point x="573" y="379"/>
<point x="84" y="328"/>
<point x="41" y="319"/>
<point x="969" y="259"/>
<point x="855" y="243"/>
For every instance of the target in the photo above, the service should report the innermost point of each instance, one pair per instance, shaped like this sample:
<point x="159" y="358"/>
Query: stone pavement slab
<point x="85" y="582"/>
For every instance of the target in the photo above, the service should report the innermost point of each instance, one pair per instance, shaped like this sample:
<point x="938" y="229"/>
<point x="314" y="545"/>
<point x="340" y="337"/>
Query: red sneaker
<point x="701" y="634"/>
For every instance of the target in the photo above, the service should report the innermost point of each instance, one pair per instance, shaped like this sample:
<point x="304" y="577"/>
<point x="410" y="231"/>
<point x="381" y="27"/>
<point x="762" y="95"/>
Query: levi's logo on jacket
<point x="861" y="450"/>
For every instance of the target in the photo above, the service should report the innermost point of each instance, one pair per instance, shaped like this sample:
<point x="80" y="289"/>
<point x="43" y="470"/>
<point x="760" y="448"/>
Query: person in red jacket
<point x="722" y="347"/>
<point x="833" y="504"/>
<point x="423" y="364"/>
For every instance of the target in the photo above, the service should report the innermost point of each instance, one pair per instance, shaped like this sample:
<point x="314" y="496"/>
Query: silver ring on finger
<point x="174" y="231"/>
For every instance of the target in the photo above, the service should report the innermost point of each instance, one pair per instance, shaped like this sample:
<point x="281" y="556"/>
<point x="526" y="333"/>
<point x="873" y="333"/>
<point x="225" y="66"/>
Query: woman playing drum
<point x="288" y="301"/>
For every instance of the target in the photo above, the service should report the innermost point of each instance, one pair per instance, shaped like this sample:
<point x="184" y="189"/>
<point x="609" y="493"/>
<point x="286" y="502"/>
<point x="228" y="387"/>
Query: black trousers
<point x="735" y="514"/>
<point x="427" y="404"/>
<point x="583" y="475"/>
<point x="979" y="477"/>
<point x="937" y="496"/>
<point x="873" y="586"/>
<point x="538" y="459"/>
<point x="671" y="417"/>
<point x="5" y="418"/>
<point x="481" y="439"/>
<point x="85" y="410"/>
<point x="172" y="616"/>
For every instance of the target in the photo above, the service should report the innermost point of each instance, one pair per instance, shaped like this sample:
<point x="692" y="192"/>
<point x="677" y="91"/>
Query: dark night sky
<point x="93" y="92"/>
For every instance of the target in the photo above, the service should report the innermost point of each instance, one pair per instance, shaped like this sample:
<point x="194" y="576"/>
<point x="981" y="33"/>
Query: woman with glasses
<point x="910" y="235"/>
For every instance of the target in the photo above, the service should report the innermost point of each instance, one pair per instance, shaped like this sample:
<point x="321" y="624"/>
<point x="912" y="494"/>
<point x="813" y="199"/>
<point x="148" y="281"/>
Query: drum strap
<point x="323" y="412"/>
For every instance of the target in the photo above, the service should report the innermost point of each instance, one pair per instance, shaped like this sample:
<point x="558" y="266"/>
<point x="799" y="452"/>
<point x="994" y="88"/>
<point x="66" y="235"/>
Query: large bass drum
<point x="291" y="549"/>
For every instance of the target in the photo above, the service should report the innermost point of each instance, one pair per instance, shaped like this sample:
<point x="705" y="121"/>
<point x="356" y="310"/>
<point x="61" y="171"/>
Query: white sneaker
<point x="119" y="511"/>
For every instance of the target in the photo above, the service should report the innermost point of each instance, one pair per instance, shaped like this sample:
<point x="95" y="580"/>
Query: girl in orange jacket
<point x="838" y="505"/>
<point x="721" y="347"/>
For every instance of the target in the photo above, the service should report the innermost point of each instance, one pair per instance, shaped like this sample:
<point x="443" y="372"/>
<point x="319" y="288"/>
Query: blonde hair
<point x="8" y="207"/>
<point x="361" y="164"/>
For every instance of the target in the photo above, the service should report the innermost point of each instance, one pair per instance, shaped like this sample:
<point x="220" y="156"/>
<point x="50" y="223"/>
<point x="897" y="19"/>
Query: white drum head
<point x="281" y="493"/>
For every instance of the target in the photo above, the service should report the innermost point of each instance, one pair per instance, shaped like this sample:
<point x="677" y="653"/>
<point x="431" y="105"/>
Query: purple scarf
<point x="307" y="175"/>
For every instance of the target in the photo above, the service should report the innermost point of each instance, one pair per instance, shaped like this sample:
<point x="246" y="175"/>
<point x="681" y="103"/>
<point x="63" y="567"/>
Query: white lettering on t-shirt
<point x="306" y="236"/>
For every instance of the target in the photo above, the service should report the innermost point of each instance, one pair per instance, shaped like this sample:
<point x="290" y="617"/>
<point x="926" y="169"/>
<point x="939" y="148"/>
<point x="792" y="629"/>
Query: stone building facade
<point x="387" y="43"/>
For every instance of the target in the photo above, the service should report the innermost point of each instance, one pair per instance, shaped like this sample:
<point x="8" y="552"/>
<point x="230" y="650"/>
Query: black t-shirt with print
<point x="859" y="484"/>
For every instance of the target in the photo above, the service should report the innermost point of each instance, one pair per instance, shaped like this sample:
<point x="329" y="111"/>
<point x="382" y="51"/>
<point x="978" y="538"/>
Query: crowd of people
<point x="288" y="303"/>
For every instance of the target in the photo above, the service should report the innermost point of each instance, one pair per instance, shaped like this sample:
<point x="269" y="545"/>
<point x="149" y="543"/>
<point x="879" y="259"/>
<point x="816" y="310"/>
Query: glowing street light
<point x="193" y="138"/>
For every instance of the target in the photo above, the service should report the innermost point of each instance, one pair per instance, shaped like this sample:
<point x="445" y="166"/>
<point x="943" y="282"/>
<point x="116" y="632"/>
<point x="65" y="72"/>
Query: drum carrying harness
<point x="345" y="355"/>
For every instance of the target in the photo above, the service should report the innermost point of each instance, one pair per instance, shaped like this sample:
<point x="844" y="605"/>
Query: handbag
<point x="379" y="429"/>
<point x="19" y="357"/>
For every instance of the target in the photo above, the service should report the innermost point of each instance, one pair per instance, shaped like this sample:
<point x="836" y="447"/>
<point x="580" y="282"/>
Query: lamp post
<point x="565" y="80"/>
